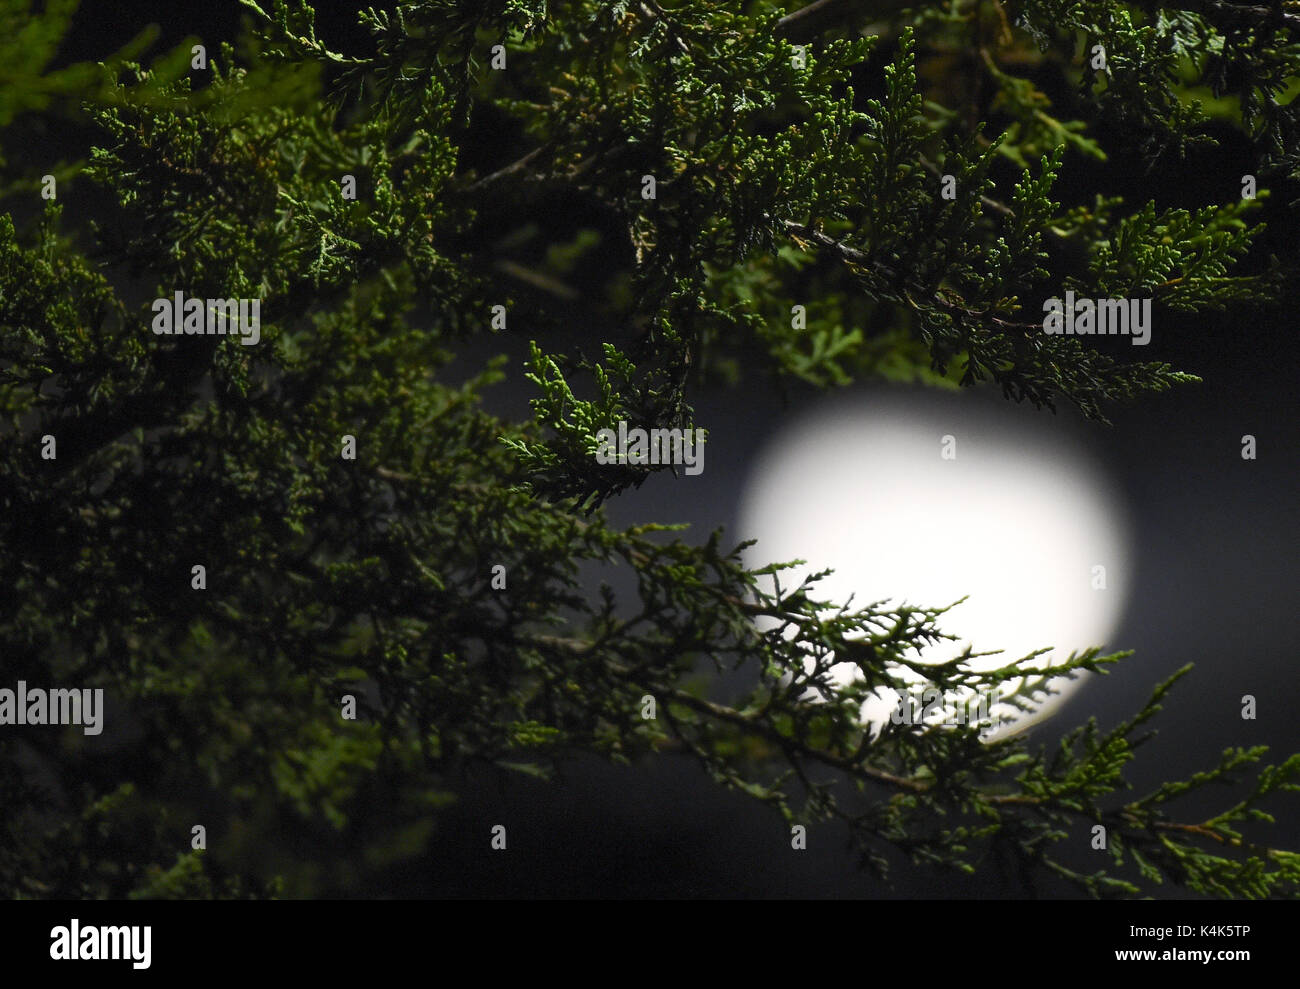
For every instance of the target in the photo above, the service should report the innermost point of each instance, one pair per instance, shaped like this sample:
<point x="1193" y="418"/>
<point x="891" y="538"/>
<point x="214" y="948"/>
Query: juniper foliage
<point x="782" y="173"/>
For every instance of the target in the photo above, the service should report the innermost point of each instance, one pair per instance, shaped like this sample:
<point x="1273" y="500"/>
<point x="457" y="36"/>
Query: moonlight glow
<point x="1017" y="522"/>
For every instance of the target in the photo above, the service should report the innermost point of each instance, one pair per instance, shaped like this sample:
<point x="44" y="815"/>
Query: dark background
<point x="1215" y="550"/>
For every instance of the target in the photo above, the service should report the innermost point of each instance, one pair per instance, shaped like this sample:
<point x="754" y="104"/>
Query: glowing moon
<point x="1019" y="519"/>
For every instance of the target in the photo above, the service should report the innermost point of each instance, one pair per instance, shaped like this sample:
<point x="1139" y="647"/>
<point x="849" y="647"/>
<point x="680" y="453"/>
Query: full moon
<point x="922" y="497"/>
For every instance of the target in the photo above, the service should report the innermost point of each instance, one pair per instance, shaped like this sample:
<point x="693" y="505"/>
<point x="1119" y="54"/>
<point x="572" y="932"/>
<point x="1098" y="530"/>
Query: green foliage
<point x="777" y="185"/>
<point x="1157" y="56"/>
<point x="29" y="43"/>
